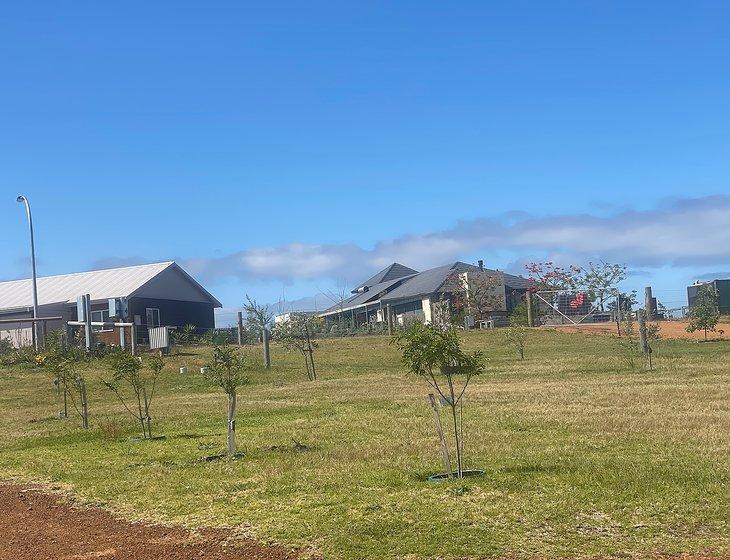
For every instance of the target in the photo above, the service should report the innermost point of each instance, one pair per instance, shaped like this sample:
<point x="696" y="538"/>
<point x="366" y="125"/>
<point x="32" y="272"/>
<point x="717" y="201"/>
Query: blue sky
<point x="298" y="146"/>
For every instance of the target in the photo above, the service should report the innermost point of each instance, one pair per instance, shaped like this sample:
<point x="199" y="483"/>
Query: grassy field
<point x="583" y="457"/>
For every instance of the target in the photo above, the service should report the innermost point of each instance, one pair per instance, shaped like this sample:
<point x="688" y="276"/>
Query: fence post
<point x="528" y="299"/>
<point x="267" y="355"/>
<point x="440" y="433"/>
<point x="87" y="321"/>
<point x="648" y="303"/>
<point x="643" y="336"/>
<point x="69" y="336"/>
<point x="133" y="337"/>
<point x="240" y="328"/>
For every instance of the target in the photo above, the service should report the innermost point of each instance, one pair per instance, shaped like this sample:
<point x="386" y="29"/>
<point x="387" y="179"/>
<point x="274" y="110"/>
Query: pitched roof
<point x="427" y="282"/>
<point x="392" y="272"/>
<point x="372" y="293"/>
<point x="100" y="284"/>
<point x="433" y="280"/>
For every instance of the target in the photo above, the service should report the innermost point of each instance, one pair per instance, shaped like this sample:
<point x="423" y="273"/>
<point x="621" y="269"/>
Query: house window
<point x="153" y="317"/>
<point x="100" y="316"/>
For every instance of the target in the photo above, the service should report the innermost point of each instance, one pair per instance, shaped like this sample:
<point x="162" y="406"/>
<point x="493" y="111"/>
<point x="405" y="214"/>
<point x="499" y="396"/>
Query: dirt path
<point x="667" y="329"/>
<point x="38" y="526"/>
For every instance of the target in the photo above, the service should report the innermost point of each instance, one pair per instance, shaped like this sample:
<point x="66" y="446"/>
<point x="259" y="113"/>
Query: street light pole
<point x="22" y="200"/>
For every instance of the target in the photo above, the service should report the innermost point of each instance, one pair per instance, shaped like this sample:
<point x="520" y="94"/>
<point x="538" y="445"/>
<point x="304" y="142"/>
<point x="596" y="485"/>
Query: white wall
<point x="427" y="315"/>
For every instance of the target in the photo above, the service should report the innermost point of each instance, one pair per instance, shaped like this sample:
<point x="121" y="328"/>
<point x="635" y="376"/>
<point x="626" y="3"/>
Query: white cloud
<point x="683" y="232"/>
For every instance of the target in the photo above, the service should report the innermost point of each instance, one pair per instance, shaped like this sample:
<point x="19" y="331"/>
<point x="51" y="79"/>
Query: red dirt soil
<point x="667" y="329"/>
<point x="39" y="526"/>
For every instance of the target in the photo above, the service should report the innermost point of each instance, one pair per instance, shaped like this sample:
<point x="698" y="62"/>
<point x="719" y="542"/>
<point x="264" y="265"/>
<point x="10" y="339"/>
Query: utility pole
<point x="23" y="200"/>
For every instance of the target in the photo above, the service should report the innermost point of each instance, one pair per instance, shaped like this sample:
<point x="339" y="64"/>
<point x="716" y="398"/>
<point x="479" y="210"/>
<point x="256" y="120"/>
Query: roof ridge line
<point x="168" y="263"/>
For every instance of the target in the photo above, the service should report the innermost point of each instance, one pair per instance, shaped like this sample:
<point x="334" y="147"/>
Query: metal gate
<point x="574" y="307"/>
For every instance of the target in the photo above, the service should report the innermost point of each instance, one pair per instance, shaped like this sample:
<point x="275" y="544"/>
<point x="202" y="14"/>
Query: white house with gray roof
<point x="405" y="294"/>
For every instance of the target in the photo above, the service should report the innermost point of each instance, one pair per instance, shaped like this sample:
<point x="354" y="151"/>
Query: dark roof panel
<point x="426" y="282"/>
<point x="392" y="272"/>
<point x="360" y="298"/>
<point x="433" y="280"/>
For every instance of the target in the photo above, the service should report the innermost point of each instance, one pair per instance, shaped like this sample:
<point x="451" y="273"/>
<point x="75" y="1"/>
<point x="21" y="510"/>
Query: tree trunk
<point x="232" y="425"/>
<point x="147" y="418"/>
<point x="141" y="415"/>
<point x="311" y="352"/>
<point x="267" y="354"/>
<point x="84" y="405"/>
<point x="457" y="439"/>
<point x="440" y="432"/>
<point x="311" y="360"/>
<point x="306" y="363"/>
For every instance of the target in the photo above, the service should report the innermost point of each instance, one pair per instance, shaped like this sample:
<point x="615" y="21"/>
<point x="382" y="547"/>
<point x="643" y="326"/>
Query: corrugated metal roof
<point x="100" y="284"/>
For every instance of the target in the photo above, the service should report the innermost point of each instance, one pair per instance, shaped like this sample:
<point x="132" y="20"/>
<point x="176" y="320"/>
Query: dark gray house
<point x="405" y="294"/>
<point x="156" y="294"/>
<point x="722" y="287"/>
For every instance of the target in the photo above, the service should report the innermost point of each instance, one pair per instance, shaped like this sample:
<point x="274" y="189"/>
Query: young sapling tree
<point x="63" y="366"/>
<point x="297" y="334"/>
<point x="227" y="369"/>
<point x="516" y="336"/>
<point x="258" y="320"/>
<point x="435" y="355"/>
<point x="628" y="344"/>
<point x="129" y="374"/>
<point x="704" y="313"/>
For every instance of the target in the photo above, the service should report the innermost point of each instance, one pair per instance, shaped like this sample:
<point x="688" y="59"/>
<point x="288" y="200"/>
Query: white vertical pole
<point x="21" y="199"/>
<point x="87" y="320"/>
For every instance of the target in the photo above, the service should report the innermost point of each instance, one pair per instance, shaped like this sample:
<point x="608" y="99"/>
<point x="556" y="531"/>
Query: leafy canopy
<point x="429" y="351"/>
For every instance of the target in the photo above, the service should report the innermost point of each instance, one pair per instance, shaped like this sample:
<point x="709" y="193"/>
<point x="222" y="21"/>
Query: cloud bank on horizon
<point x="683" y="232"/>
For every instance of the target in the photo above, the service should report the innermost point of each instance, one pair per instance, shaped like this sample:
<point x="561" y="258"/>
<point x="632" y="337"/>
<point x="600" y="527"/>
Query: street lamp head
<point x="20" y="199"/>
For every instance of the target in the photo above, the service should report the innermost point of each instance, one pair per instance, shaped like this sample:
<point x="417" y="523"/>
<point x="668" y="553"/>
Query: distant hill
<point x="226" y="317"/>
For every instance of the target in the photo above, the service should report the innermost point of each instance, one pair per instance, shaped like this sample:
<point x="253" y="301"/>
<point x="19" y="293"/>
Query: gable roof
<point x="427" y="282"/>
<point x="392" y="272"/>
<point x="100" y="284"/>
<point x="432" y="280"/>
<point x="360" y="298"/>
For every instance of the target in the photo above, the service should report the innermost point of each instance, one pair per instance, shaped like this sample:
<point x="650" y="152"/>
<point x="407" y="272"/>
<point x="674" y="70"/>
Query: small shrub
<point x="516" y="336"/>
<point x="128" y="372"/>
<point x="111" y="429"/>
<point x="627" y="345"/>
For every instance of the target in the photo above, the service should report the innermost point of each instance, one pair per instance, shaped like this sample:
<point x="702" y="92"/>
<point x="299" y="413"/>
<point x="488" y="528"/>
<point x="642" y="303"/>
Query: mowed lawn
<point x="583" y="457"/>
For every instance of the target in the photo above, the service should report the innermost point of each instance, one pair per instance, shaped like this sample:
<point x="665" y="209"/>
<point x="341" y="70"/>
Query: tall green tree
<point x="600" y="280"/>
